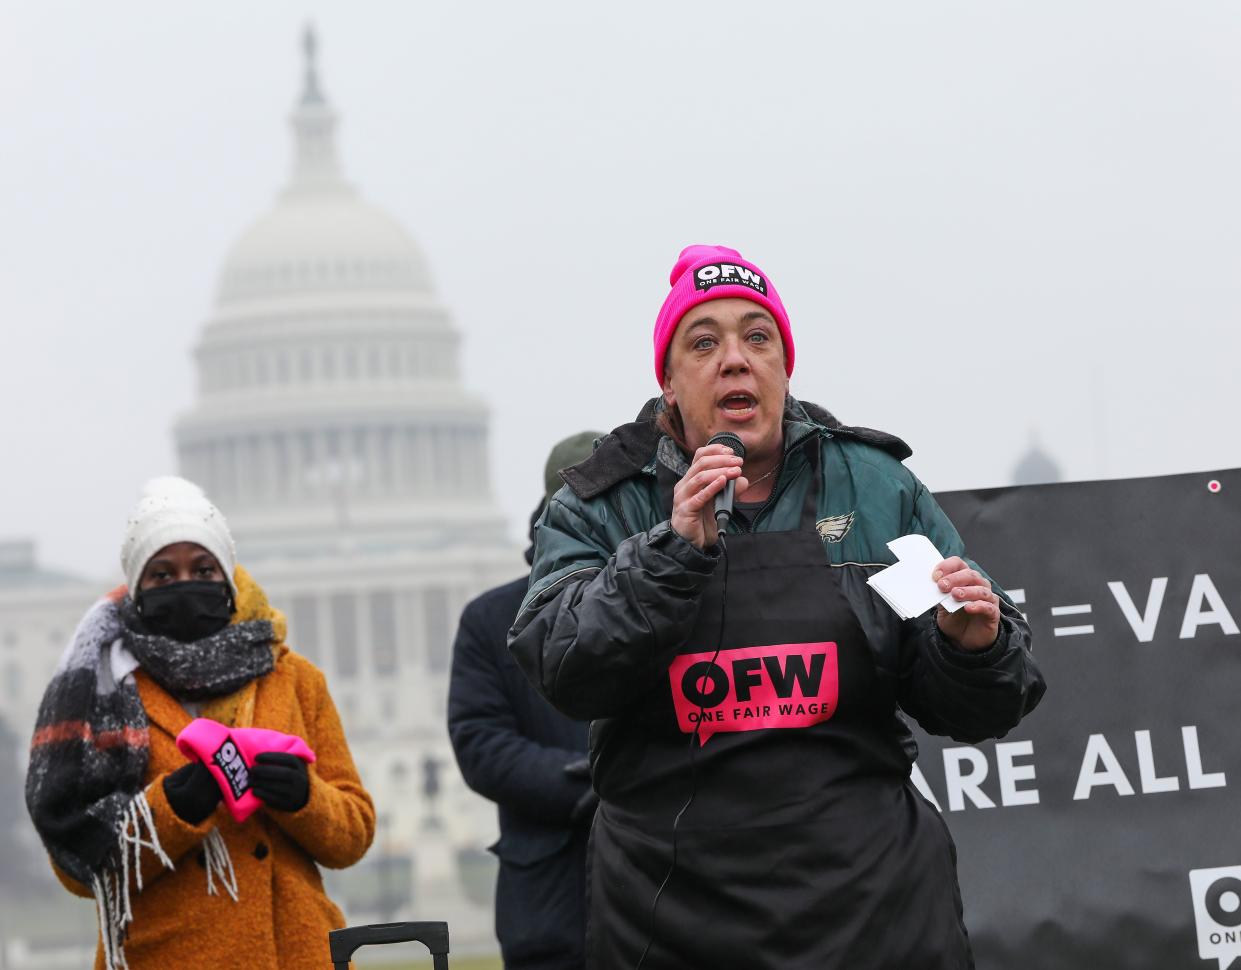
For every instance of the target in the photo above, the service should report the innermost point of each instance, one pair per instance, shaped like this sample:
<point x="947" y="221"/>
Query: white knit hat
<point x="174" y="510"/>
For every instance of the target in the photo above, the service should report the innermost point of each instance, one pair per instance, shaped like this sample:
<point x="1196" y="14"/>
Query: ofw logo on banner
<point x="1217" y="913"/>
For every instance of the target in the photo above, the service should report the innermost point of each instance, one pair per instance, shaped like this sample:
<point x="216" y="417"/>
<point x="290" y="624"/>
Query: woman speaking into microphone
<point x="745" y="683"/>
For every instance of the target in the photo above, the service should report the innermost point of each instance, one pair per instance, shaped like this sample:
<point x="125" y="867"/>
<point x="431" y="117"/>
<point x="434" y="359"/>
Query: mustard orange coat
<point x="282" y="916"/>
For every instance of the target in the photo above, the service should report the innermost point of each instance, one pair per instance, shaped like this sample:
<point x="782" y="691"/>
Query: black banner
<point x="1105" y="831"/>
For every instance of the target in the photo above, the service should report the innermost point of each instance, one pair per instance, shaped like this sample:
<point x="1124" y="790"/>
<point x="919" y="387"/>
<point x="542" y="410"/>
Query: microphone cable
<point x="693" y="771"/>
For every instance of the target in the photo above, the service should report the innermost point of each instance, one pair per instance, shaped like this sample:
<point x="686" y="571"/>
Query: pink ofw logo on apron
<point x="788" y="685"/>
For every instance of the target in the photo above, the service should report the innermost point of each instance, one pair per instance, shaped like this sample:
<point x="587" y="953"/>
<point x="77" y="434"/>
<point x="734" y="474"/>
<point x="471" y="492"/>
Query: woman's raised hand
<point x="693" y="517"/>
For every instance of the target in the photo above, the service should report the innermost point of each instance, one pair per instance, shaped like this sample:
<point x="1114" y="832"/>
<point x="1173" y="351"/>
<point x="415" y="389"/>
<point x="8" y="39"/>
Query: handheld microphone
<point x="724" y="500"/>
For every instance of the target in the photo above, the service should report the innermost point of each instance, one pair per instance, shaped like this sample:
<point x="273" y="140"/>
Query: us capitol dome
<point x="330" y="406"/>
<point x="332" y="428"/>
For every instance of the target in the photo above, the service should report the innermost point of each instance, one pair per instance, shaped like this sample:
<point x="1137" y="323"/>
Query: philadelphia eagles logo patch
<point x="835" y="527"/>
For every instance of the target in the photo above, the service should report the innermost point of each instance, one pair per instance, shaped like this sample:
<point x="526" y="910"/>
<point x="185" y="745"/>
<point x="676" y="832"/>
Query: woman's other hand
<point x="280" y="780"/>
<point x="977" y="624"/>
<point x="693" y="511"/>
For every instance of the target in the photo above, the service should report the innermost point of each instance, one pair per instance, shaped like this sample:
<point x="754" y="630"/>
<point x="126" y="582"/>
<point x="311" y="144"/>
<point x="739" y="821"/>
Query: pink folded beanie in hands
<point x="229" y="754"/>
<point x="705" y="273"/>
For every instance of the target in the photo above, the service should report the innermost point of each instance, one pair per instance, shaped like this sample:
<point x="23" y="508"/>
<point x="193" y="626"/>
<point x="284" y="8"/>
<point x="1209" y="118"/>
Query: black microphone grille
<point x="728" y="440"/>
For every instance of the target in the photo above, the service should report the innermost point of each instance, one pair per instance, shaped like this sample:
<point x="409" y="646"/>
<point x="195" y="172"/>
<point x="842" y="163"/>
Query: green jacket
<point x="614" y="591"/>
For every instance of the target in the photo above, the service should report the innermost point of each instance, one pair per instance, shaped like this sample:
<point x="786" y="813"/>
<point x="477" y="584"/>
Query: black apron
<point x="806" y="845"/>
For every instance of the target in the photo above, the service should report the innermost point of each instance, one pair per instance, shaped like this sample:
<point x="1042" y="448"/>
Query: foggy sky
<point x="987" y="221"/>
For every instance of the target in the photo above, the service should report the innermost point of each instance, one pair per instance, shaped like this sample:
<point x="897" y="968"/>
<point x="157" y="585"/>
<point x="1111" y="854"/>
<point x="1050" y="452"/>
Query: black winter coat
<point x="616" y="598"/>
<point x="512" y="747"/>
<point x="614" y="591"/>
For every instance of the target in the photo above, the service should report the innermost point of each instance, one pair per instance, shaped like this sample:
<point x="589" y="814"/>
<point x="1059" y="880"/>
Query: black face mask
<point x="186" y="611"/>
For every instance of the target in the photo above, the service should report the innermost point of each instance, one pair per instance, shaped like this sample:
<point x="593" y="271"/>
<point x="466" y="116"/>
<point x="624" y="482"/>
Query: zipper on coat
<point x="776" y="489"/>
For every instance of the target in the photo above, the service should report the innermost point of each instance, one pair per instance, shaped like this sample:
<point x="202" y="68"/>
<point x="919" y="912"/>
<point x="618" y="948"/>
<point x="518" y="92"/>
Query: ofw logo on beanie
<point x="717" y="274"/>
<point x="228" y="759"/>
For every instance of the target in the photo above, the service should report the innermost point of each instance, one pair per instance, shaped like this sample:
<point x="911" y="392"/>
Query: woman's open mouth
<point x="738" y="406"/>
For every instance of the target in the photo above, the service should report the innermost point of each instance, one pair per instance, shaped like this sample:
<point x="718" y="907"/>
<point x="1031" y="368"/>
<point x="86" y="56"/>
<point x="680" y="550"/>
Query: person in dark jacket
<point x="517" y="750"/>
<point x="747" y="687"/>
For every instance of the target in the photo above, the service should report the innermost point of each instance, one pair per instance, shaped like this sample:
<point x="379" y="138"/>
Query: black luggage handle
<point x="434" y="936"/>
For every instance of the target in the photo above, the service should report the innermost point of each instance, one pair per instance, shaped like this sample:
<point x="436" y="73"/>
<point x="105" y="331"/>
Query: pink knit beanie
<point x="705" y="273"/>
<point x="230" y="752"/>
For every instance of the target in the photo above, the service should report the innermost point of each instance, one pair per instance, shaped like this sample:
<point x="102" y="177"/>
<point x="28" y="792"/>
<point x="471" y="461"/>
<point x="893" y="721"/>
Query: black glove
<point x="192" y="792"/>
<point x="280" y="779"/>
<point x="584" y="809"/>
